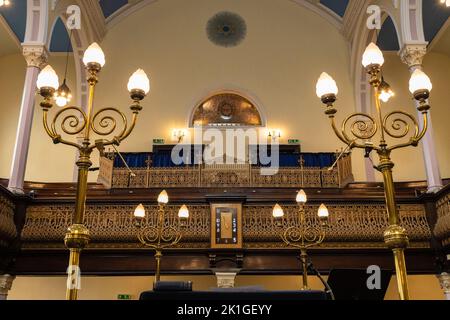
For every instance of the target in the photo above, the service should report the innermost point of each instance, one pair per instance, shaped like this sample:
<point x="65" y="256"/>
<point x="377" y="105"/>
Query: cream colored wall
<point x="438" y="67"/>
<point x="410" y="163"/>
<point x="277" y="66"/>
<point x="424" y="287"/>
<point x="12" y="77"/>
<point x="46" y="162"/>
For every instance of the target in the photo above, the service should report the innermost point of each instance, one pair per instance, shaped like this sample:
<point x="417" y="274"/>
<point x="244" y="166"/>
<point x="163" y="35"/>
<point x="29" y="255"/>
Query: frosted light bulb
<point x="277" y="211"/>
<point x="301" y="197"/>
<point x="139" y="212"/>
<point x="47" y="78"/>
<point x="419" y="82"/>
<point x="326" y="86"/>
<point x="139" y="81"/>
<point x="372" y="56"/>
<point x="94" y="54"/>
<point x="183" y="212"/>
<point x="163" y="197"/>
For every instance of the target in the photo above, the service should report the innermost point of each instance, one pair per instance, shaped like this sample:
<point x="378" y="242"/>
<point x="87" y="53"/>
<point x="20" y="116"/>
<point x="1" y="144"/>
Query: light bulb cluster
<point x="94" y="60"/>
<point x="446" y="2"/>
<point x="163" y="199"/>
<point x="4" y="3"/>
<point x="419" y="85"/>
<point x="301" y="199"/>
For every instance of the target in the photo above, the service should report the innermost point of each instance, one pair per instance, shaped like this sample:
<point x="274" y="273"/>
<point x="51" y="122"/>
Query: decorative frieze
<point x="7" y="226"/>
<point x="442" y="228"/>
<point x="113" y="226"/>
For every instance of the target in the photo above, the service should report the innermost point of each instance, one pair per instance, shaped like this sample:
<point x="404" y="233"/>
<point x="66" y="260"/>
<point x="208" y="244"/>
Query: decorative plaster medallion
<point x="226" y="29"/>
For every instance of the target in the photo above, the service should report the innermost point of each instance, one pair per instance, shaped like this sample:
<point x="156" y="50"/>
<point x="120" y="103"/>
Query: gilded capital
<point x="35" y="55"/>
<point x="444" y="279"/>
<point x="6" y="282"/>
<point x="413" y="54"/>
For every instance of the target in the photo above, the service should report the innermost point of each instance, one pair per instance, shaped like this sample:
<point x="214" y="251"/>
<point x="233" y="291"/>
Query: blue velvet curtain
<point x="318" y="160"/>
<point x="134" y="160"/>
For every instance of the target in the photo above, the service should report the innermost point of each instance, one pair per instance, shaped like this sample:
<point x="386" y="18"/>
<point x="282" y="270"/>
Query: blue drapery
<point x="163" y="159"/>
<point x="134" y="160"/>
<point x="318" y="160"/>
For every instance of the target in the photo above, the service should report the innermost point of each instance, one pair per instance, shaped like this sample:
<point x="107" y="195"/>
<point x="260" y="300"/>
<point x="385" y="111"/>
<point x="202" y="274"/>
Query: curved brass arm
<point x="414" y="141"/>
<point x="344" y="137"/>
<point x="46" y="127"/>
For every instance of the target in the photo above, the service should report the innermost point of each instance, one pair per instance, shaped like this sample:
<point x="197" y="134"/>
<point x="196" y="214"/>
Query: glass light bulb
<point x="94" y="54"/>
<point x="47" y="78"/>
<point x="372" y="56"/>
<point x="163" y="197"/>
<point x="61" y="101"/>
<point x="277" y="211"/>
<point x="326" y="85"/>
<point x="183" y="212"/>
<point x="139" y="81"/>
<point x="63" y="95"/>
<point x="323" y="212"/>
<point x="419" y="82"/>
<point x="301" y="197"/>
<point x="139" y="212"/>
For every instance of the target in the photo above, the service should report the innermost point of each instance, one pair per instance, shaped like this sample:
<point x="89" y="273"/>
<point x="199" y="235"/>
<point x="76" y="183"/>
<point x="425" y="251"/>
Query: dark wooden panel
<point x="255" y="262"/>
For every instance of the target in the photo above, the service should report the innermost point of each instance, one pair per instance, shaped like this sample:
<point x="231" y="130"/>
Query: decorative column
<point x="225" y="279"/>
<point x="6" y="282"/>
<point x="412" y="55"/>
<point x="444" y="279"/>
<point x="36" y="57"/>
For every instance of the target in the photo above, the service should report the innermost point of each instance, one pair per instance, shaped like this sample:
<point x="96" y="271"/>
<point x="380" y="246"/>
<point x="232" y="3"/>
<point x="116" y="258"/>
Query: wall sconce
<point x="274" y="134"/>
<point x="178" y="135"/>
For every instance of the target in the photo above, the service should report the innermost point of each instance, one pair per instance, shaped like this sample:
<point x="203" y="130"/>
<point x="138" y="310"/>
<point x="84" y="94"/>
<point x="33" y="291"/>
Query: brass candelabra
<point x="75" y="121"/>
<point x="303" y="235"/>
<point x="358" y="130"/>
<point x="164" y="233"/>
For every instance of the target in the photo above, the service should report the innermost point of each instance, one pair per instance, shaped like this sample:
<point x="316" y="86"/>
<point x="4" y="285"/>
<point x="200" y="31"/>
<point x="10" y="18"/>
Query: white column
<point x="6" y="282"/>
<point x="36" y="57"/>
<point x="444" y="280"/>
<point x="412" y="55"/>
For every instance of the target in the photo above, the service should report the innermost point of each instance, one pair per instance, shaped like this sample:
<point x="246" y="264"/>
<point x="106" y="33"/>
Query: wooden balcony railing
<point x="226" y="175"/>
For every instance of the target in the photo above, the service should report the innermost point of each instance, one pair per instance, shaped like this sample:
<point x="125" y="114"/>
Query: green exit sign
<point x="294" y="141"/>
<point x="158" y="141"/>
<point x="124" y="297"/>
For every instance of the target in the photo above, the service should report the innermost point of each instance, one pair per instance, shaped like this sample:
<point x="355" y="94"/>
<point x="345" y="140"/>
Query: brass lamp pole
<point x="358" y="129"/>
<point x="303" y="236"/>
<point x="162" y="235"/>
<point x="74" y="121"/>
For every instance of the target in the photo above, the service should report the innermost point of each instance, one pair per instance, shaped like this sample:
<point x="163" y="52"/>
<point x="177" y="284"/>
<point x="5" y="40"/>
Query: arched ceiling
<point x="435" y="17"/>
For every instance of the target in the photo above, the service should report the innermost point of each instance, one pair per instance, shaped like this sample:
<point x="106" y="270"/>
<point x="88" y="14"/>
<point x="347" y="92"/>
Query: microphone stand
<point x="313" y="270"/>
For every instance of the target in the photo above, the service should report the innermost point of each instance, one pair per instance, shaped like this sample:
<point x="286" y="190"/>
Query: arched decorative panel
<point x="226" y="110"/>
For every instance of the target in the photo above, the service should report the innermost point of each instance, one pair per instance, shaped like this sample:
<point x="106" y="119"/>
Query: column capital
<point x="413" y="54"/>
<point x="444" y="279"/>
<point x="36" y="55"/>
<point x="225" y="279"/>
<point x="6" y="282"/>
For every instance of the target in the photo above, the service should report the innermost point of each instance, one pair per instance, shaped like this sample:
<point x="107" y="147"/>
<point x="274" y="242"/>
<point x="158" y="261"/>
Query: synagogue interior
<point x="297" y="148"/>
